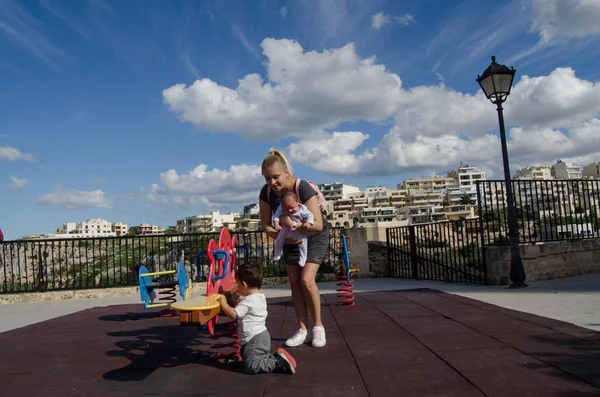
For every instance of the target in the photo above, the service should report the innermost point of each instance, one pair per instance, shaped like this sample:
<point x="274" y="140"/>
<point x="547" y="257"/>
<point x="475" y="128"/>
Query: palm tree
<point x="466" y="200"/>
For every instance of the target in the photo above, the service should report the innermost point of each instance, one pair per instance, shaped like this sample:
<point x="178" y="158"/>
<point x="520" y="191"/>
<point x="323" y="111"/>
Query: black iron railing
<point x="547" y="210"/>
<point x="88" y="263"/>
<point x="444" y="251"/>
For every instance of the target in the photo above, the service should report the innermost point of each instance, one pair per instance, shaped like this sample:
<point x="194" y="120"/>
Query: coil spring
<point x="235" y="343"/>
<point x="168" y="295"/>
<point x="347" y="290"/>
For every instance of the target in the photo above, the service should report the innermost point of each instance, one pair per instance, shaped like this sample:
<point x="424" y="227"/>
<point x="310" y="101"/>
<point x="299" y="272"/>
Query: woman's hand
<point x="286" y="221"/>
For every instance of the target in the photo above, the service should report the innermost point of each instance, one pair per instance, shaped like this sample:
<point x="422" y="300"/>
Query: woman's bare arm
<point x="313" y="206"/>
<point x="265" y="219"/>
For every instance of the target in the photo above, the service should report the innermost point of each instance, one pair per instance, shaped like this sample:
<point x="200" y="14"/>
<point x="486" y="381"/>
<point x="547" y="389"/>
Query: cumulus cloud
<point x="308" y="94"/>
<point x="565" y="18"/>
<point x="305" y="91"/>
<point x="74" y="199"/>
<point x="17" y="183"/>
<point x="393" y="154"/>
<point x="9" y="153"/>
<point x="237" y="185"/>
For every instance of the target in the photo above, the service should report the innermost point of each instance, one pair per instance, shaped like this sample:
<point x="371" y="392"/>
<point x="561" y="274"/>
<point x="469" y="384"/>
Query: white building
<point x="337" y="190"/>
<point x="566" y="170"/>
<point x="376" y="191"/>
<point x="206" y="223"/>
<point x="536" y="172"/>
<point x="430" y="184"/>
<point x="251" y="211"/>
<point x="382" y="217"/>
<point x="120" y="229"/>
<point x="93" y="227"/>
<point x="467" y="176"/>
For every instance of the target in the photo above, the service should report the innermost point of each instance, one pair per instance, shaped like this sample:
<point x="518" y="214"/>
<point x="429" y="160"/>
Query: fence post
<point x="481" y="234"/>
<point x="414" y="259"/>
<point x="388" y="232"/>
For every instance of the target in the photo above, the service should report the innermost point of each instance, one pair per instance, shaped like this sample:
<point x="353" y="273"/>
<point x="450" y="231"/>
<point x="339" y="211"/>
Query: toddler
<point x="251" y="315"/>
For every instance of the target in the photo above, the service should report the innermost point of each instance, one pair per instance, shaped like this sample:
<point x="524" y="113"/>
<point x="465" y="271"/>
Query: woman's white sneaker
<point x="300" y="337"/>
<point x="318" y="337"/>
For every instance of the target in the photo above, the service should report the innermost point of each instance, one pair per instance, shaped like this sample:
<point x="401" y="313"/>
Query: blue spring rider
<point x="149" y="290"/>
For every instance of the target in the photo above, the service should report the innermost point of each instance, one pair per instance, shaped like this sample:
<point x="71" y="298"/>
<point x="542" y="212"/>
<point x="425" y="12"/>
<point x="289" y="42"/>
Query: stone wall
<point x="545" y="261"/>
<point x="367" y="255"/>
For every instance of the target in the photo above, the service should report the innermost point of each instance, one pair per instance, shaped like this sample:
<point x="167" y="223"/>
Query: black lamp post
<point x="496" y="82"/>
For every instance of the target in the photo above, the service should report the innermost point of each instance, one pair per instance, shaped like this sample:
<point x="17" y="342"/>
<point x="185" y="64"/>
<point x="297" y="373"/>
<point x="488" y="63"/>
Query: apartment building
<point x="393" y="198"/>
<point x="592" y="171"/>
<point x="467" y="176"/>
<point x="93" y="227"/>
<point x="535" y="172"/>
<point x="566" y="170"/>
<point x="205" y="223"/>
<point x="119" y="228"/>
<point x="376" y="191"/>
<point x="341" y="218"/>
<point x="382" y="217"/>
<point x="251" y="211"/>
<point x="146" y="230"/>
<point x="431" y="184"/>
<point x="352" y="203"/>
<point x="337" y="190"/>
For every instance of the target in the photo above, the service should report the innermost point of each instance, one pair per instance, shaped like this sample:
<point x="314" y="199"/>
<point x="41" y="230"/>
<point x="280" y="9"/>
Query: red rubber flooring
<point x="402" y="343"/>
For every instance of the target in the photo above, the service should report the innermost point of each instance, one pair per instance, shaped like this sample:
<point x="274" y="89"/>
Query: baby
<point x="298" y="213"/>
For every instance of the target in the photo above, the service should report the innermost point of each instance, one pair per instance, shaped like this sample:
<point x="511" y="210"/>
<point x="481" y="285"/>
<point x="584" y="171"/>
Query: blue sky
<point x="108" y="107"/>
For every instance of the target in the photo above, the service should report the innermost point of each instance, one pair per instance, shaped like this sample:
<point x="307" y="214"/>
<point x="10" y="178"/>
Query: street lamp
<point x="496" y="82"/>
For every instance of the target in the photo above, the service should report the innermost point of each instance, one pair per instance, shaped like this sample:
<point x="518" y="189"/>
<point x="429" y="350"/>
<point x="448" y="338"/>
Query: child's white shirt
<point x="251" y="312"/>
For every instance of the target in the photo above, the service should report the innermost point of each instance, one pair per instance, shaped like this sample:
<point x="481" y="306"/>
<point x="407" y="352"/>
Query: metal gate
<point x="444" y="251"/>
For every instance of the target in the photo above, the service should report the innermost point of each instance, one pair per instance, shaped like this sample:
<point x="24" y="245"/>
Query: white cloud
<point x="379" y="20"/>
<point x="9" y="153"/>
<point x="393" y="154"/>
<point x="560" y="99"/>
<point x="405" y="19"/>
<point x="17" y="183"/>
<point x="565" y="18"/>
<point x="74" y="199"/>
<point x="306" y="91"/>
<point x="240" y="184"/>
<point x="283" y="12"/>
<point x="310" y="93"/>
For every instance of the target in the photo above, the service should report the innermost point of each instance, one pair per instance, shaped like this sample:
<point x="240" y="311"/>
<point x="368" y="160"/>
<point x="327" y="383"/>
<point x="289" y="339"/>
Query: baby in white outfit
<point x="299" y="213"/>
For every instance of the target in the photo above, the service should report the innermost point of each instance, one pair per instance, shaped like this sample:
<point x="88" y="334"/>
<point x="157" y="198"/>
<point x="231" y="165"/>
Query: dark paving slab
<point x="413" y="343"/>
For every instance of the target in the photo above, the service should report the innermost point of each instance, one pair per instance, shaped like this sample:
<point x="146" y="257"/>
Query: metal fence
<point x="88" y="263"/>
<point x="547" y="210"/>
<point x="444" y="251"/>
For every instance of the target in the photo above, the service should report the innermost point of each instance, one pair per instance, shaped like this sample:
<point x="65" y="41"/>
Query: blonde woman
<point x="305" y="294"/>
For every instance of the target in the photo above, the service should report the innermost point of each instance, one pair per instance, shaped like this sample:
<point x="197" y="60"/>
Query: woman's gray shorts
<point x="318" y="244"/>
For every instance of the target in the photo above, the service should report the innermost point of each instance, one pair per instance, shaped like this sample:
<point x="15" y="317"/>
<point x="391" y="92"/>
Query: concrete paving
<point x="575" y="300"/>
